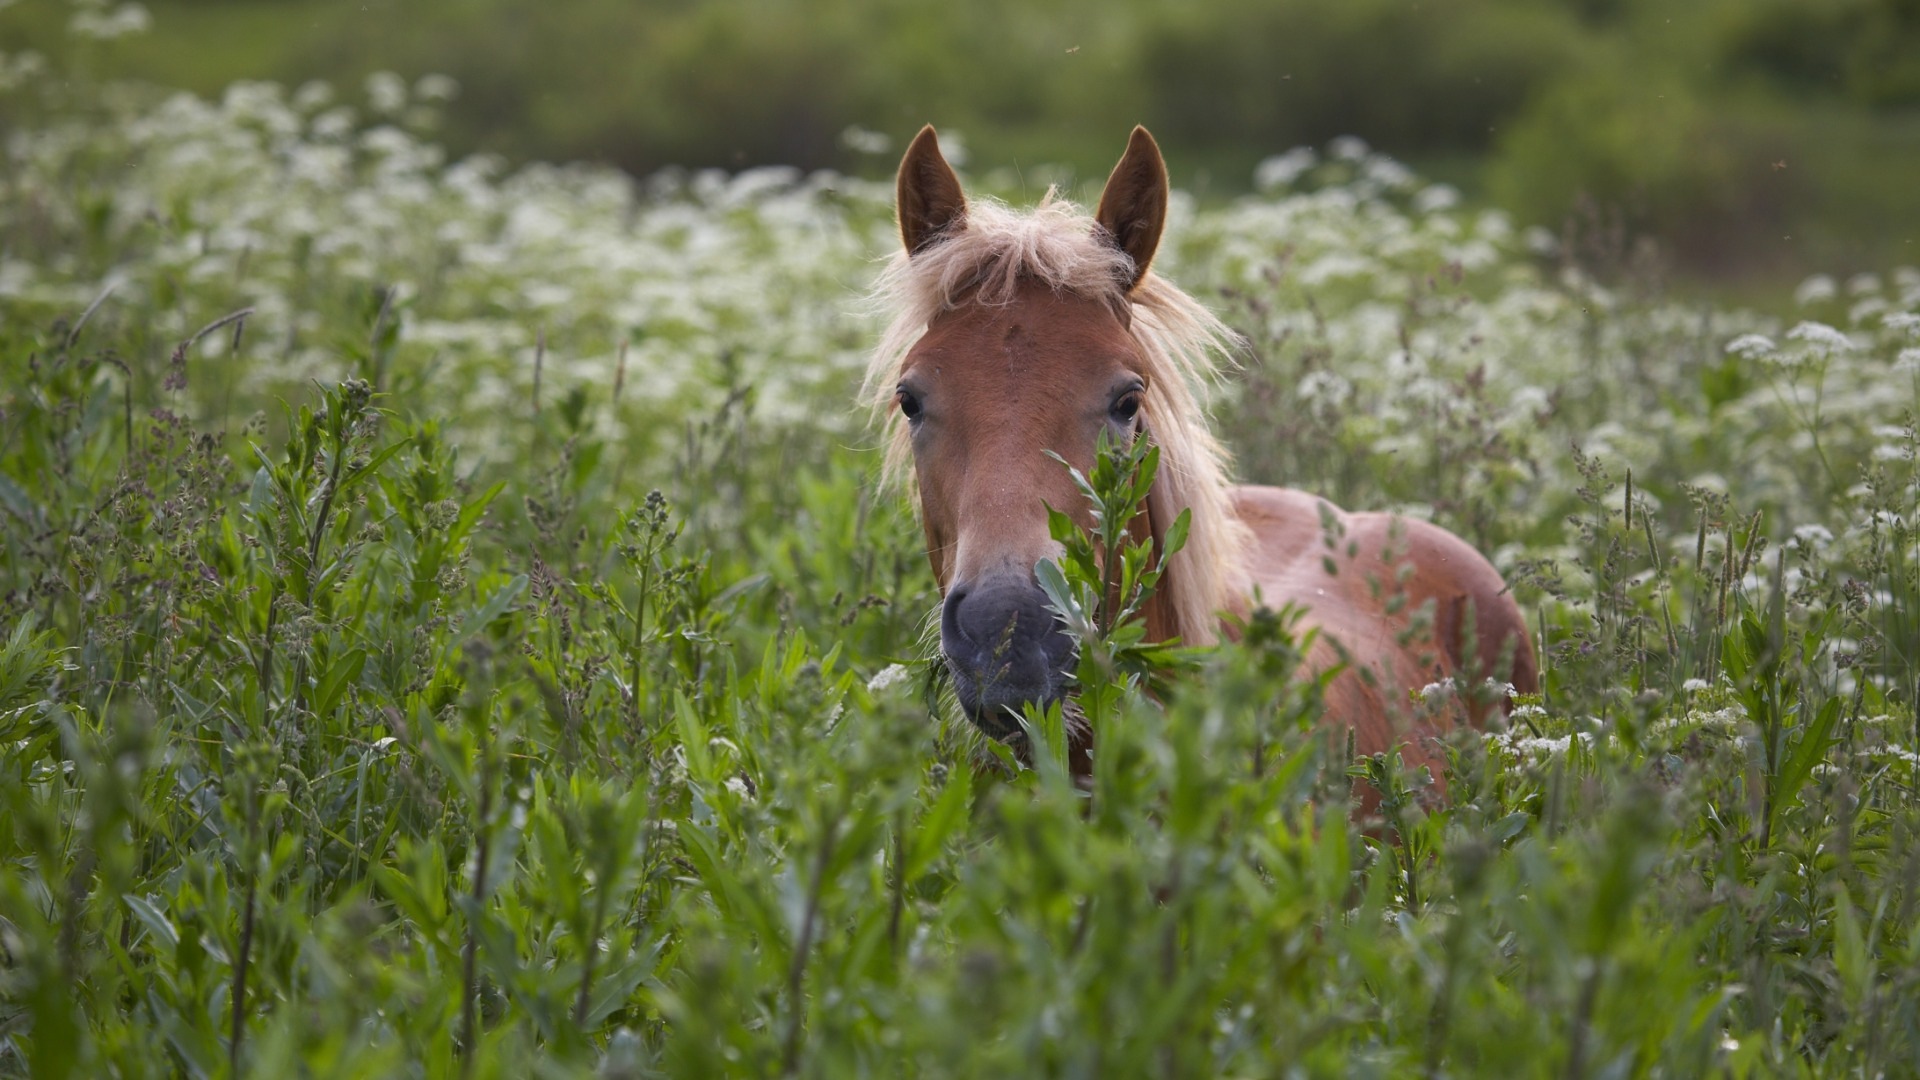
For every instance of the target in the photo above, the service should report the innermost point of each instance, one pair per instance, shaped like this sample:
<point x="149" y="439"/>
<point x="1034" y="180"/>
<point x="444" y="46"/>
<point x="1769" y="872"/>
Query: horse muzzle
<point x="1005" y="649"/>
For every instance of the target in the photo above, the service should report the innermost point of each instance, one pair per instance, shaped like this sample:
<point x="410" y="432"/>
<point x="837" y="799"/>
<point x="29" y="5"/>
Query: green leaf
<point x="939" y="822"/>
<point x="155" y="920"/>
<point x="18" y="502"/>
<point x="1509" y="827"/>
<point x="1176" y="536"/>
<point x="339" y="678"/>
<point x="693" y="739"/>
<point x="1809" y="750"/>
<point x="728" y="893"/>
<point x="1853" y="961"/>
<point x="496" y="605"/>
<point x="1054" y="583"/>
<point x="1060" y="527"/>
<point x="470" y="513"/>
<point x="372" y="467"/>
<point x="614" y="988"/>
<point x="749" y="584"/>
<point x="260" y="495"/>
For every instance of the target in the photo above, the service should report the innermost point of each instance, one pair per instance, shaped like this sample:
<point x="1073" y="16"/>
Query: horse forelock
<point x="984" y="260"/>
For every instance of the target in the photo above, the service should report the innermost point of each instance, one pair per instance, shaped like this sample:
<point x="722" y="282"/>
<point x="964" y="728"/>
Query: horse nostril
<point x="988" y="620"/>
<point x="950" y="613"/>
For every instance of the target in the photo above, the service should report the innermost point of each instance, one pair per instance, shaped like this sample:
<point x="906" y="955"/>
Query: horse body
<point x="1022" y="333"/>
<point x="1401" y="605"/>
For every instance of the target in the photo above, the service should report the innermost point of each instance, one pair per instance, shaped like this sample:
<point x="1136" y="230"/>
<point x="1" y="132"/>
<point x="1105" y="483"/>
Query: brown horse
<point x="1019" y="333"/>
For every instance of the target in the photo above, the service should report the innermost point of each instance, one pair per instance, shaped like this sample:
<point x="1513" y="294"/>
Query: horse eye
<point x="1127" y="407"/>
<point x="909" y="405"/>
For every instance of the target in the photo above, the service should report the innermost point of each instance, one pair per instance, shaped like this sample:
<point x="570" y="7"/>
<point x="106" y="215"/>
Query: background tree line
<point x="1758" y="139"/>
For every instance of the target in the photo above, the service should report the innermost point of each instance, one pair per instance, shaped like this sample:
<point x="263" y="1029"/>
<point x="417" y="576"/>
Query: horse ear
<point x="927" y="194"/>
<point x="1133" y="208"/>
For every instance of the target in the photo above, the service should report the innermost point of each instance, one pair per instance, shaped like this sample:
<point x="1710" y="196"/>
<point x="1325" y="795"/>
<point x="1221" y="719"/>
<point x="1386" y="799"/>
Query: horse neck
<point x="1207" y="577"/>
<point x="1162" y="612"/>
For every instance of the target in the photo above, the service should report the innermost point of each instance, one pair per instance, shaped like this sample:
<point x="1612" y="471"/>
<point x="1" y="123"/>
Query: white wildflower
<point x="436" y="87"/>
<point x="1349" y="148"/>
<point x="1899" y="753"/>
<point x="865" y="141"/>
<point x="1815" y="289"/>
<point x="888" y="676"/>
<point x="1534" y="746"/>
<point x="1324" y="386"/>
<point x="386" y="92"/>
<point x="1279" y="172"/>
<point x="1694" y="686"/>
<point x="333" y="124"/>
<point x="312" y="96"/>
<point x="1336" y="265"/>
<point x="1908" y="361"/>
<point x="1389" y="173"/>
<point x="1817" y="537"/>
<point x="93" y="22"/>
<point x="20" y="69"/>
<point x="1752" y="346"/>
<point x="739" y="788"/>
<point x="16" y="277"/>
<point x="1864" y="311"/>
<point x="1908" y="321"/>
<point x="1436" y="197"/>
<point x="1723" y="720"/>
<point x="1822" y="337"/>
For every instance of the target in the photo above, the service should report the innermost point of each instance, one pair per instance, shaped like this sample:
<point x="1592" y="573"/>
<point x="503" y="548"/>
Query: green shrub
<point x="362" y="712"/>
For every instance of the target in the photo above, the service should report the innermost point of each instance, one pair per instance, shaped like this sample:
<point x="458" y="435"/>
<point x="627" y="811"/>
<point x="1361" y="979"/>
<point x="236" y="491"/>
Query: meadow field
<point x="451" y="625"/>
<point x="1759" y="140"/>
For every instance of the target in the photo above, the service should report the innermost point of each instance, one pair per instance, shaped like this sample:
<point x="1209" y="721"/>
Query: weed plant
<point x="399" y="730"/>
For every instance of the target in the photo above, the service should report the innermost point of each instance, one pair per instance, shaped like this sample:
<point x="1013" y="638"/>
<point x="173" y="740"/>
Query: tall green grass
<point x="399" y="730"/>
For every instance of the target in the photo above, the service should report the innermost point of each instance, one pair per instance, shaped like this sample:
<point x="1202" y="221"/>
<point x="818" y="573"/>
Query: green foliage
<point x="1419" y="79"/>
<point x="1756" y="139"/>
<point x="525" y="694"/>
<point x="1104" y="576"/>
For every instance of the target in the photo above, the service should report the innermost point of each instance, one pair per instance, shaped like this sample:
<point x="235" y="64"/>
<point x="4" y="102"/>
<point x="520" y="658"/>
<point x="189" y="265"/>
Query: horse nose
<point x="992" y="618"/>
<point x="1003" y="644"/>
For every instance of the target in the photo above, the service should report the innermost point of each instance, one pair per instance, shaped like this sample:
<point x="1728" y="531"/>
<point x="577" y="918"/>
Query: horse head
<point x="1021" y="360"/>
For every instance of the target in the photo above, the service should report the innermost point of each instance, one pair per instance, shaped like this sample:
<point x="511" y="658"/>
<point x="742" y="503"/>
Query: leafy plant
<point x="362" y="713"/>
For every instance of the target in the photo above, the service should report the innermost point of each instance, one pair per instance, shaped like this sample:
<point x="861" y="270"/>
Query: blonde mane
<point x="983" y="260"/>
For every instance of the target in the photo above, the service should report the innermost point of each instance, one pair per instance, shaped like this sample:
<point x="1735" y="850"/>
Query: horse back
<point x="1403" y="603"/>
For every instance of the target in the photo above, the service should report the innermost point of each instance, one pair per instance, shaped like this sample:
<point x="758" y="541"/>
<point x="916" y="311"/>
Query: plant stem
<point x="1582" y="1023"/>
<point x="593" y="950"/>
<point x="802" y="949"/>
<point x="240" y="979"/>
<point x="469" y="991"/>
<point x="899" y="898"/>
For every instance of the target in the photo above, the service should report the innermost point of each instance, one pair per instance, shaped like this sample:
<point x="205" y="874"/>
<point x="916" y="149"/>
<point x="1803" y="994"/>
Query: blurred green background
<point x="1756" y="140"/>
